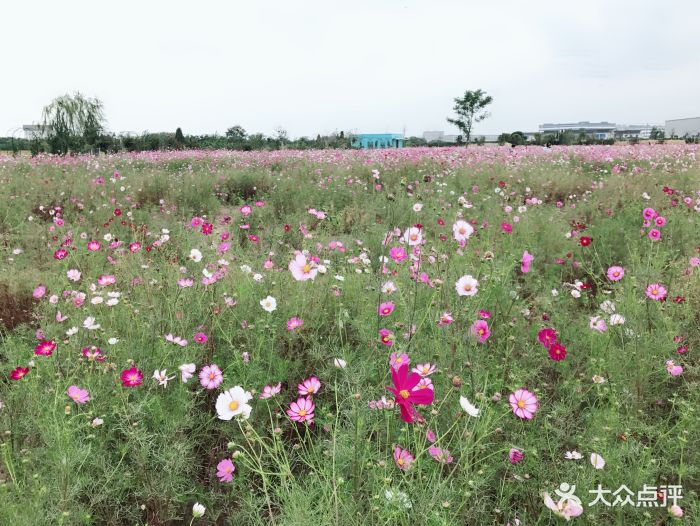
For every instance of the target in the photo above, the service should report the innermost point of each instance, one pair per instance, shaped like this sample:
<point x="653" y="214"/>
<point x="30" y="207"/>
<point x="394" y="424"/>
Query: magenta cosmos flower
<point x="654" y="234"/>
<point x="524" y="403"/>
<point x="403" y="458"/>
<point x="78" y="395"/>
<point x="225" y="469"/>
<point x="45" y="348"/>
<point x="386" y="337"/>
<point x="480" y="330"/>
<point x="515" y="456"/>
<point x="294" y="323"/>
<point x="211" y="376"/>
<point x="649" y="214"/>
<point x="18" y="373"/>
<point x="310" y="386"/>
<point x="131" y="377"/>
<point x="398" y="254"/>
<point x="200" y="337"/>
<point x="385" y="308"/>
<point x="656" y="291"/>
<point x="616" y="273"/>
<point x="547" y="337"/>
<point x="301" y="269"/>
<point x="406" y="392"/>
<point x="302" y="410"/>
<point x="525" y="262"/>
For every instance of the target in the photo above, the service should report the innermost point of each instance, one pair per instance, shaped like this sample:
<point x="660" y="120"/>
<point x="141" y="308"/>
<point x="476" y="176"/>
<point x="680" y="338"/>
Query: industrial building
<point x="683" y="128"/>
<point x="377" y="140"/>
<point x="595" y="130"/>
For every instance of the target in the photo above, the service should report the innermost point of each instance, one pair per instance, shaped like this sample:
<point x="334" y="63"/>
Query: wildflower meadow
<point x="419" y="336"/>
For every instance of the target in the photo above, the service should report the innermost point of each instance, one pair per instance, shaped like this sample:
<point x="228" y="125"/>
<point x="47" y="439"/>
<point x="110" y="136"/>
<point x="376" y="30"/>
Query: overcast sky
<point x="364" y="65"/>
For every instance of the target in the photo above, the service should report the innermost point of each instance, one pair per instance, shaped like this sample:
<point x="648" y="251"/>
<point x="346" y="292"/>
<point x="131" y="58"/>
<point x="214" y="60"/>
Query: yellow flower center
<point x="400" y="462"/>
<point x="481" y="332"/>
<point x="521" y="403"/>
<point x="211" y="376"/>
<point x="467" y="287"/>
<point x="233" y="405"/>
<point x="307" y="268"/>
<point x="404" y="394"/>
<point x="309" y="389"/>
<point x="462" y="230"/>
<point x="413" y="237"/>
<point x="302" y="412"/>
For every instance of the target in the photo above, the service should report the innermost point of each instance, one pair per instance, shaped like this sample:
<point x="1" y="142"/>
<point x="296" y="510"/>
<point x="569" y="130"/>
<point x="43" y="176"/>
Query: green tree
<point x="73" y="123"/>
<point x="470" y="108"/>
<point x="236" y="134"/>
<point x="179" y="138"/>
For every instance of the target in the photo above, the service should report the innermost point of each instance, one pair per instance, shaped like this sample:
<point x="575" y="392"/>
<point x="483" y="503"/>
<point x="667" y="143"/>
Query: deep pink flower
<point x="131" y="377"/>
<point x="480" y="330"/>
<point x="225" y="469"/>
<point x="45" y="348"/>
<point x="515" y="456"/>
<point x="547" y="337"/>
<point x="557" y="352"/>
<point x="18" y="373"/>
<point x="200" y="337"/>
<point x="525" y="262"/>
<point x="507" y="228"/>
<point x="406" y="394"/>
<point x="386" y="337"/>
<point x="398" y="254"/>
<point x="294" y="323"/>
<point x="649" y="214"/>
<point x="654" y="234"/>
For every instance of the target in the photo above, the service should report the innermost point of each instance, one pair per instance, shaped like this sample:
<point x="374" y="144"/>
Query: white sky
<point x="362" y="65"/>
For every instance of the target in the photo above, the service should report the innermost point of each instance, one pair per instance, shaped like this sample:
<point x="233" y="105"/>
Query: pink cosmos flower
<point x="507" y="228"/>
<point x="196" y="221"/>
<point x="403" y="458"/>
<point x="424" y="369"/>
<point x="134" y="247"/>
<point x="445" y="319"/>
<point x="656" y="292"/>
<point x="524" y="403"/>
<point x="309" y="387"/>
<point x="78" y="395"/>
<point x="200" y="337"/>
<point x="525" y="262"/>
<point x="225" y="469"/>
<point x="211" y="376"/>
<point x="597" y="324"/>
<point x="673" y="369"/>
<point x="515" y="456"/>
<point x="649" y="214"/>
<point x="660" y="221"/>
<point x="654" y="234"/>
<point x="385" y="308"/>
<point x="39" y="292"/>
<point x="93" y="354"/>
<point x="484" y="314"/>
<point x="386" y="337"/>
<point x="131" y="377"/>
<point x="270" y="390"/>
<point x="397" y="360"/>
<point x="480" y="330"/>
<point x="616" y="273"/>
<point x="398" y="254"/>
<point x="294" y="323"/>
<point x="106" y="279"/>
<point x="94" y="246"/>
<point x="413" y="236"/>
<point x="441" y="455"/>
<point x="301" y="269"/>
<point x="302" y="410"/>
<point x="246" y="210"/>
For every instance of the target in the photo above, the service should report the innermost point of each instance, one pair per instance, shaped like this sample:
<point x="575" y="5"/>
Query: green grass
<point x="157" y="451"/>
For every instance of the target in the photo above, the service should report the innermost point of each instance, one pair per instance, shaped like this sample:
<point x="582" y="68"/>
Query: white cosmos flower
<point x="187" y="371"/>
<point x="462" y="230"/>
<point x="340" y="363"/>
<point x="573" y="455"/>
<point x="198" y="510"/>
<point x="617" y="319"/>
<point x="195" y="255"/>
<point x="597" y="461"/>
<point x="269" y="304"/>
<point x="112" y="341"/>
<point x="90" y="324"/>
<point x="608" y="307"/>
<point x="71" y="331"/>
<point x="466" y="286"/>
<point x="162" y="377"/>
<point x="233" y="402"/>
<point x="412" y="236"/>
<point x="468" y="407"/>
<point x="418" y="207"/>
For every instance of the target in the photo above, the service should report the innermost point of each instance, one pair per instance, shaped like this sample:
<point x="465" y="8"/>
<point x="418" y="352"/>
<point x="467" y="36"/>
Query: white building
<point x="635" y="131"/>
<point x="689" y="127"/>
<point x="430" y="136"/>
<point x="595" y="130"/>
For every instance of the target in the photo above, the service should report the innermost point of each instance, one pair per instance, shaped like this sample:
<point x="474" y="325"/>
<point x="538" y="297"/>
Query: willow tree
<point x="470" y="108"/>
<point x="72" y="123"/>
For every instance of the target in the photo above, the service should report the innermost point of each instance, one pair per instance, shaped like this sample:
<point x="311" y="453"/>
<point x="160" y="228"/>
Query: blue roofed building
<point x="377" y="140"/>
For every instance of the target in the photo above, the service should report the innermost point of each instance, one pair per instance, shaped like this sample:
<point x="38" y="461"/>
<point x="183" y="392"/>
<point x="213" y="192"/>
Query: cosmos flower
<point x="524" y="404"/>
<point x="187" y="371"/>
<point x="406" y="394"/>
<point x="294" y="323"/>
<point x="301" y="269"/>
<point x="78" y="395"/>
<point x="468" y="407"/>
<point x="525" y="262"/>
<point x="18" y="373"/>
<point x="45" y="348"/>
<point x="515" y="456"/>
<point x="565" y="508"/>
<point x="547" y="337"/>
<point x="441" y="455"/>
<point x="616" y="273"/>
<point x="385" y="308"/>
<point x="302" y="410"/>
<point x="210" y="376"/>
<point x="309" y="387"/>
<point x="480" y="330"/>
<point x="132" y="377"/>
<point x="462" y="231"/>
<point x="233" y="403"/>
<point x="403" y="458"/>
<point x="225" y="469"/>
<point x="270" y="390"/>
<point x="466" y="286"/>
<point x="269" y="304"/>
<point x="413" y="236"/>
<point x="656" y="292"/>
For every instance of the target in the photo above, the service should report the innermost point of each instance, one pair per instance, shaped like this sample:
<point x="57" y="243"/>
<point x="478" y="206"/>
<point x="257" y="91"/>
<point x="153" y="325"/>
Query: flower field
<point x="420" y="336"/>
